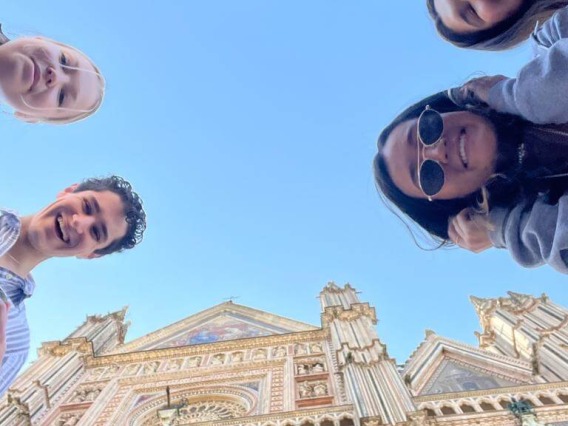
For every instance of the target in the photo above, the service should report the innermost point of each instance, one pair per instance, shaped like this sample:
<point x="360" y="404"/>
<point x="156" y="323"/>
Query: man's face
<point x="78" y="224"/>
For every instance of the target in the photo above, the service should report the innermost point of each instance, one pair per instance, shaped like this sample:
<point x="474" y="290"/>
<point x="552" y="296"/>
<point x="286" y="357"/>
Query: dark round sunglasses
<point x="430" y="127"/>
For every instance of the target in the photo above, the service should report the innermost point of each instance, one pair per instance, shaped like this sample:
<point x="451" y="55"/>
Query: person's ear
<point x="70" y="189"/>
<point x="89" y="256"/>
<point x="25" y="117"/>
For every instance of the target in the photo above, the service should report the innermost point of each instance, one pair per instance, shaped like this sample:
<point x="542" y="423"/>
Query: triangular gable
<point x="227" y="321"/>
<point x="451" y="376"/>
<point x="441" y="365"/>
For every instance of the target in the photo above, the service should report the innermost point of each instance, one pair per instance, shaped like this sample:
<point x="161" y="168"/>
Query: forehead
<point x="398" y="153"/>
<point x="111" y="211"/>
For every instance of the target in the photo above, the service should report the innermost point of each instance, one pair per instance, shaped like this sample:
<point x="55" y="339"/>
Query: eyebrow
<point x="103" y="225"/>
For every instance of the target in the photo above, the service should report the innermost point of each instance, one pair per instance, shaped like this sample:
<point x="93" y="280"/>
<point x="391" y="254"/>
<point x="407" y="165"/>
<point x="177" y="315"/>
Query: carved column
<point x="371" y="378"/>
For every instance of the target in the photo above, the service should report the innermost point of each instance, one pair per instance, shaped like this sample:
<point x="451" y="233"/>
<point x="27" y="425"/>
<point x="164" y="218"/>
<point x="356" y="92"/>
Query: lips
<point x="61" y="230"/>
<point x="461" y="148"/>
<point x="36" y="74"/>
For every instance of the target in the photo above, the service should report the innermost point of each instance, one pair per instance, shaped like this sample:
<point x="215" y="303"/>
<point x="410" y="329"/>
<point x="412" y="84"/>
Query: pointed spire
<point x="120" y="315"/>
<point x="481" y="304"/>
<point x="520" y="298"/>
<point x="331" y="286"/>
<point x="428" y="333"/>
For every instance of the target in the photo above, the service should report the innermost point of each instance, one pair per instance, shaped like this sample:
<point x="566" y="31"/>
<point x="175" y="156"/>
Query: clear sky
<point x="249" y="128"/>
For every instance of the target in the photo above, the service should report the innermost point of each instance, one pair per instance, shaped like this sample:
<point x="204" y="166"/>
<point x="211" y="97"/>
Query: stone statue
<point x="320" y="389"/>
<point x="174" y="365"/>
<point x="151" y="367"/>
<point x="237" y="357"/>
<point x="194" y="362"/>
<point x="131" y="369"/>
<point x="301" y="349"/>
<point x="306" y="390"/>
<point x="279" y="352"/>
<point x="218" y="359"/>
<point x="315" y="348"/>
<point x="69" y="420"/>
<point x="259" y="354"/>
<point x="318" y="368"/>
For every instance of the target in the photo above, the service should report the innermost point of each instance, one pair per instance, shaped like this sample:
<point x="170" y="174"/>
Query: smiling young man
<point x="87" y="220"/>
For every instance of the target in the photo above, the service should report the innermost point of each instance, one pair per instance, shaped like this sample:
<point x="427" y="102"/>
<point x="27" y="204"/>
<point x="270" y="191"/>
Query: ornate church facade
<point x="234" y="365"/>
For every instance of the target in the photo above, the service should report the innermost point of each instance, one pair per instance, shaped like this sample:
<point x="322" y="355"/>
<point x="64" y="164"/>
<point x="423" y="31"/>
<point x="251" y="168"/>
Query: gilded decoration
<point x="201" y="350"/>
<point x="356" y="311"/>
<point x="62" y="348"/>
<point x="453" y="377"/>
<point x="221" y="328"/>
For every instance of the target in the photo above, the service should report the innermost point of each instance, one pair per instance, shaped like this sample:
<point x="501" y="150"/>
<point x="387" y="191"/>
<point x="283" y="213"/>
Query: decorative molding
<point x="61" y="348"/>
<point x="224" y="346"/>
<point x="356" y="311"/>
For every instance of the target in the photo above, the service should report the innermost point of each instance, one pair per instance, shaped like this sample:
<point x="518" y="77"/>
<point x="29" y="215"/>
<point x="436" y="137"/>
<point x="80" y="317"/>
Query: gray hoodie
<point x="537" y="233"/>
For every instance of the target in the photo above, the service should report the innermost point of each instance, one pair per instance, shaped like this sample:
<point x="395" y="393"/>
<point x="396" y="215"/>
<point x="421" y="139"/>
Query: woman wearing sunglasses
<point x="493" y="171"/>
<point x="490" y="24"/>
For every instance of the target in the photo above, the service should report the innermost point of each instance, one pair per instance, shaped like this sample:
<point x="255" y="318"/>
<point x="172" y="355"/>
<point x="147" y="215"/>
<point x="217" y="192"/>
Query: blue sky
<point x="249" y="128"/>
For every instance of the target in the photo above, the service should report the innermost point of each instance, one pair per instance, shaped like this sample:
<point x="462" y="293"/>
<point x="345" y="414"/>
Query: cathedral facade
<point x="233" y="365"/>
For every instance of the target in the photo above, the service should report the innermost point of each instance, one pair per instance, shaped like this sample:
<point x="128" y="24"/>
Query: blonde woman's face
<point x="470" y="16"/>
<point x="42" y="79"/>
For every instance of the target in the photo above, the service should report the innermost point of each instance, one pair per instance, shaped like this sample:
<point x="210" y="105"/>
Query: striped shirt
<point x="16" y="289"/>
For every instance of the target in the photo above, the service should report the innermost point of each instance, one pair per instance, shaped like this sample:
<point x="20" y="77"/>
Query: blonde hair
<point x="82" y="113"/>
<point x="510" y="36"/>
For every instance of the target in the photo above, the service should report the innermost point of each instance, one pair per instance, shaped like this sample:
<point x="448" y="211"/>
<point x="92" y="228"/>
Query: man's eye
<point x="63" y="59"/>
<point x="87" y="207"/>
<point x="96" y="234"/>
<point x="61" y="98"/>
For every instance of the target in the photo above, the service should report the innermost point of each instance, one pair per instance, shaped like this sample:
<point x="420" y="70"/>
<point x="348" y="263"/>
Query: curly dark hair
<point x="133" y="210"/>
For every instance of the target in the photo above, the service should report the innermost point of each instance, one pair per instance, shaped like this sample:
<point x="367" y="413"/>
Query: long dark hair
<point x="510" y="183"/>
<point x="506" y="34"/>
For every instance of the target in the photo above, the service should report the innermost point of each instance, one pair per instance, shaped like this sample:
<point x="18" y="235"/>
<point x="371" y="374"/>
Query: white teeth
<point x="463" y="157"/>
<point x="60" y="221"/>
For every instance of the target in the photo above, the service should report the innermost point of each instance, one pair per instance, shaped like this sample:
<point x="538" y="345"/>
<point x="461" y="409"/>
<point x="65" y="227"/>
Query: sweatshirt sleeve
<point x="539" y="93"/>
<point x="535" y="233"/>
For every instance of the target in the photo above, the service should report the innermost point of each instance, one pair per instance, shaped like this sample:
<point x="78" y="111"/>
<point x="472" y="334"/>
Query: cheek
<point x="38" y="100"/>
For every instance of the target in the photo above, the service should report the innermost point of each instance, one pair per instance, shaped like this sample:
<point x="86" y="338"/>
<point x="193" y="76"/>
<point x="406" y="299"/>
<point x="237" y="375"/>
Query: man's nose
<point x="436" y="152"/>
<point x="81" y="223"/>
